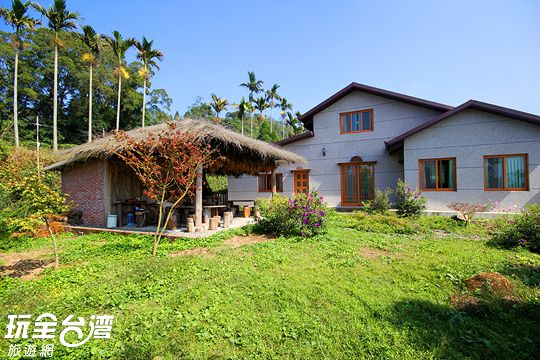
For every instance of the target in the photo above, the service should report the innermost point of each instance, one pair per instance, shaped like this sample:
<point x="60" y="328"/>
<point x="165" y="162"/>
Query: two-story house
<point x="362" y="138"/>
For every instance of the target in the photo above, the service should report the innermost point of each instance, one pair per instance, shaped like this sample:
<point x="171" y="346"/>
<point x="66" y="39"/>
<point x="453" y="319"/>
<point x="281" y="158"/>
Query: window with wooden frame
<point x="356" y="121"/>
<point x="437" y="174"/>
<point x="357" y="183"/>
<point x="265" y="182"/>
<point x="506" y="172"/>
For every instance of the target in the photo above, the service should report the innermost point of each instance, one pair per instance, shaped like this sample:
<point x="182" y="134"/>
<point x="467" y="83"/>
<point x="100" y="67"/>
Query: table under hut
<point x="99" y="183"/>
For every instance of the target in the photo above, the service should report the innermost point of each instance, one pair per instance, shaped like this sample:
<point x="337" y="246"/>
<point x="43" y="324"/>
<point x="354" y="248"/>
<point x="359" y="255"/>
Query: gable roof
<point x="397" y="142"/>
<point x="307" y="118"/>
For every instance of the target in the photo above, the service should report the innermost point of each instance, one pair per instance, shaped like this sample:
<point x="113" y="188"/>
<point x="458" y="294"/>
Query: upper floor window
<point x="356" y="121"/>
<point x="506" y="172"/>
<point x="437" y="174"/>
<point x="265" y="182"/>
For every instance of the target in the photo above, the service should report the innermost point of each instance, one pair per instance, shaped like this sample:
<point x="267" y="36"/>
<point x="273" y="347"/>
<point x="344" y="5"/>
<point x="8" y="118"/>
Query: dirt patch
<point x="27" y="265"/>
<point x="492" y="282"/>
<point x="371" y="253"/>
<point x="464" y="302"/>
<point x="233" y="242"/>
<point x="194" y="252"/>
<point x="238" y="241"/>
<point x="486" y="288"/>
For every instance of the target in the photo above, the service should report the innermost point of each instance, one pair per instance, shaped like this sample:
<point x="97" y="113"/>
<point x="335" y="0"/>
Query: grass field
<point x="346" y="294"/>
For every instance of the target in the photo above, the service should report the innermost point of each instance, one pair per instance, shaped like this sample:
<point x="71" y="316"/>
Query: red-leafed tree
<point x="166" y="163"/>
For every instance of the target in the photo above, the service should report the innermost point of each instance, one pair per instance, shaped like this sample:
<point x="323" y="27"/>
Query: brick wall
<point x="83" y="183"/>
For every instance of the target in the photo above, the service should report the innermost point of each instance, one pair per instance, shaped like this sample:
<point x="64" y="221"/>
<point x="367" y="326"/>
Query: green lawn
<point x="346" y="294"/>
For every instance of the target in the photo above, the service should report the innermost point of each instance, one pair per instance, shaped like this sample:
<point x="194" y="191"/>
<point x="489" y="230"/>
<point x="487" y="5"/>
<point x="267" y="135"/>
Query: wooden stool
<point x="227" y="216"/>
<point x="190" y="225"/>
<point x="213" y="223"/>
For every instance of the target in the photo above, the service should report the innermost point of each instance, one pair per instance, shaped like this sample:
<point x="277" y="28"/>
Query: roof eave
<point x="295" y="138"/>
<point x="307" y="118"/>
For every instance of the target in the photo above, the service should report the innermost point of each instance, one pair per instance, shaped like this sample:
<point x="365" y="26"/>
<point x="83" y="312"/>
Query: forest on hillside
<point x="35" y="90"/>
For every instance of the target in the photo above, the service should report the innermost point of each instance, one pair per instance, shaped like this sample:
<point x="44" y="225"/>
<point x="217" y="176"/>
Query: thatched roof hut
<point x="238" y="153"/>
<point x="99" y="183"/>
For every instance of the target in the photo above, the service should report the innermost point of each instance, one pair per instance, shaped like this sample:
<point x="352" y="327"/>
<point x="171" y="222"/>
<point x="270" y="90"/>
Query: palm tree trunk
<point x="242" y="123"/>
<point x="15" y="105"/>
<point x="118" y="103"/>
<point x="90" y="107"/>
<point x="271" y="120"/>
<point x="144" y="102"/>
<point x="55" y="98"/>
<point x="251" y="126"/>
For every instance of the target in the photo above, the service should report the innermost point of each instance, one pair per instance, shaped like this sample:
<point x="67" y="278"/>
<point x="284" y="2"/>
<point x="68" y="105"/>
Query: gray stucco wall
<point x="391" y="118"/>
<point x="469" y="136"/>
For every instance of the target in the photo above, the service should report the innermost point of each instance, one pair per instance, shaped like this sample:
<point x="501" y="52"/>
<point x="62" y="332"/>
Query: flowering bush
<point x="409" y="202"/>
<point x="521" y="230"/>
<point x="300" y="215"/>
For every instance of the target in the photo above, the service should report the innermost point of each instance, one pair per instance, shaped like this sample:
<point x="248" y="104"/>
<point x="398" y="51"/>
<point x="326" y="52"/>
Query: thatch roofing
<point x="239" y="154"/>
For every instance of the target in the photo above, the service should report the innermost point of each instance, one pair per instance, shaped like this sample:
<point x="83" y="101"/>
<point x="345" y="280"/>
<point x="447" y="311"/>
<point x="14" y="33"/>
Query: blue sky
<point x="446" y="51"/>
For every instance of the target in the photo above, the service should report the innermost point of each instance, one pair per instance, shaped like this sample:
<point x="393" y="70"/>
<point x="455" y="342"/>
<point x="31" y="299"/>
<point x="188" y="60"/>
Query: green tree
<point x="253" y="85"/>
<point x="260" y="103"/>
<point x="295" y="124"/>
<point x="265" y="133"/>
<point x="272" y="95"/>
<point x="17" y="18"/>
<point x="148" y="56"/>
<point x="218" y="104"/>
<point x="59" y="19"/>
<point x="244" y="107"/>
<point x="284" y="106"/>
<point x="159" y="104"/>
<point x="119" y="46"/>
<point x="93" y="42"/>
<point x="199" y="110"/>
<point x="36" y="68"/>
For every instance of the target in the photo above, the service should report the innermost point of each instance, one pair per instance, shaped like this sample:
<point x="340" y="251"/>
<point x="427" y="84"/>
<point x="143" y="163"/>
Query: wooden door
<point x="301" y="181"/>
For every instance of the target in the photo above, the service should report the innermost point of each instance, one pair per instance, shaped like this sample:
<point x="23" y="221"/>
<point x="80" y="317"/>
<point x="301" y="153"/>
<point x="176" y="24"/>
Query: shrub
<point x="468" y="211"/>
<point x="521" y="230"/>
<point x="26" y="197"/>
<point x="272" y="214"/>
<point x="380" y="203"/>
<point x="301" y="215"/>
<point x="409" y="202"/>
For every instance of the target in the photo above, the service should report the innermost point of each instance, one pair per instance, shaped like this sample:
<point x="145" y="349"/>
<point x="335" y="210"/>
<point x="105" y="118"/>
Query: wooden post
<point x="198" y="197"/>
<point x="273" y="182"/>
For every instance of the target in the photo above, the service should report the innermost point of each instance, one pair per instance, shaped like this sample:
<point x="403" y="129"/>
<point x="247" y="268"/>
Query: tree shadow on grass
<point x="486" y="331"/>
